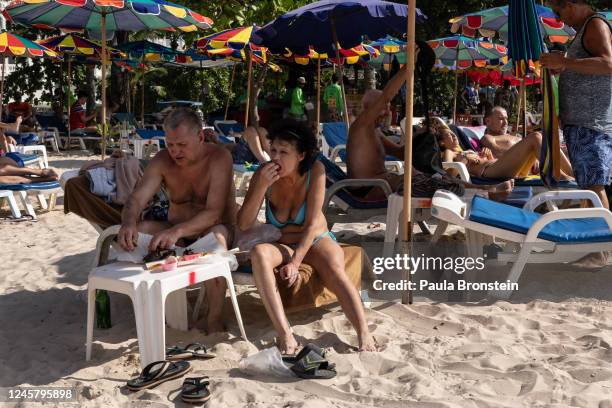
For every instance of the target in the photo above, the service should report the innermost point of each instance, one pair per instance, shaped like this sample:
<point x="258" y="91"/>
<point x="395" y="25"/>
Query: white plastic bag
<point x="266" y="362"/>
<point x="259" y="234"/>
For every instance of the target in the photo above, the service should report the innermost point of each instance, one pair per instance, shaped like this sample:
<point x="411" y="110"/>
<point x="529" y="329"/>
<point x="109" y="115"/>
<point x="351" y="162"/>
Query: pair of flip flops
<point x="194" y="389"/>
<point x="158" y="372"/>
<point x="193" y="350"/>
<point x="310" y="363"/>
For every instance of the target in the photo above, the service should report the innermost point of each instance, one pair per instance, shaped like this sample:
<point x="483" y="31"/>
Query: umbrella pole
<point x="142" y="92"/>
<point x="229" y="92"/>
<point x="318" y="93"/>
<point x="337" y="46"/>
<point x="103" y="85"/>
<point x="524" y="109"/>
<point x="3" y="68"/>
<point x="520" y="104"/>
<point x="69" y="106"/>
<point x="456" y="81"/>
<point x="246" y="113"/>
<point x="407" y="213"/>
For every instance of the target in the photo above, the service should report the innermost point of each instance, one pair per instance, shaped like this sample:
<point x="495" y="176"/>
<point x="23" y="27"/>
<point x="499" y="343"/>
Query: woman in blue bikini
<point x="293" y="187"/>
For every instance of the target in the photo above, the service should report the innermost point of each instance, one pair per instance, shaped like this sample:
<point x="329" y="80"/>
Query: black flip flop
<point x="307" y="348"/>
<point x="189" y="351"/>
<point x="309" y="364"/>
<point x="195" y="390"/>
<point x="157" y="373"/>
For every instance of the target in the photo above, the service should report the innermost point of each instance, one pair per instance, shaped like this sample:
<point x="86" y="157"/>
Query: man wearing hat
<point x="296" y="111"/>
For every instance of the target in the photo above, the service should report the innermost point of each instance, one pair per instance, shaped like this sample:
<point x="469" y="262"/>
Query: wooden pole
<point x="142" y="91"/>
<point x="407" y="213"/>
<point x="103" y="85"/>
<point x="524" y="109"/>
<point x="318" y="93"/>
<point x="229" y="92"/>
<point x="337" y="46"/>
<point x="248" y="101"/>
<point x="455" y="98"/>
<point x="3" y="68"/>
<point x="520" y="104"/>
<point x="69" y="105"/>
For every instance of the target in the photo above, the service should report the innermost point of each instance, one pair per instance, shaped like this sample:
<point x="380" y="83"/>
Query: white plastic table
<point x="148" y="292"/>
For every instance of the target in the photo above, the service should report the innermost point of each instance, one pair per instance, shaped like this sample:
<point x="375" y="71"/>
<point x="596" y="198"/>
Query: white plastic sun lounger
<point x="555" y="237"/>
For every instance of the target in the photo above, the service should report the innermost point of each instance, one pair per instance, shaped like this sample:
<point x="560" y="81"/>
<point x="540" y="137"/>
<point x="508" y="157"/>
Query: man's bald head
<point x="370" y="96"/>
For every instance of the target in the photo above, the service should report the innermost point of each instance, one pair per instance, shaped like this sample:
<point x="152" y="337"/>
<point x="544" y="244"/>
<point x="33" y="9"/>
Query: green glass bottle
<point x="103" y="310"/>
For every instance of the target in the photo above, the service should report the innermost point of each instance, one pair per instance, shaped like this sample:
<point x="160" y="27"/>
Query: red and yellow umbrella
<point x="77" y="45"/>
<point x="362" y="52"/>
<point x="16" y="46"/>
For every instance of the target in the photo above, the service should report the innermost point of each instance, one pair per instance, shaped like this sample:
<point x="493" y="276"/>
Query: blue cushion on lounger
<point x="335" y="134"/>
<point x="530" y="181"/>
<point x="150" y="133"/>
<point x="519" y="196"/>
<point x="518" y="220"/>
<point x="43" y="185"/>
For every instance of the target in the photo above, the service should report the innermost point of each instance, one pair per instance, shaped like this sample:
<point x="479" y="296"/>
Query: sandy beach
<point x="550" y="346"/>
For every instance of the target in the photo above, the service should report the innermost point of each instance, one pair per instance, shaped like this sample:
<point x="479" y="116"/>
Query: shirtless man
<point x="367" y="146"/>
<point x="198" y="177"/>
<point x="496" y="138"/>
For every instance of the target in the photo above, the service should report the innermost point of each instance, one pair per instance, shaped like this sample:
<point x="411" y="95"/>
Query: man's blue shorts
<point x="590" y="152"/>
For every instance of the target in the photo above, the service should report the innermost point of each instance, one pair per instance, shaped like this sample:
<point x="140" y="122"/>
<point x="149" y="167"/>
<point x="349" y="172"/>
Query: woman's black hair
<point x="300" y="136"/>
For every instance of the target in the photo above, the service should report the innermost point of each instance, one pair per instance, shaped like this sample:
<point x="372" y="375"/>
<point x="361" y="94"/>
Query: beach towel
<point x="309" y="292"/>
<point x="127" y="173"/>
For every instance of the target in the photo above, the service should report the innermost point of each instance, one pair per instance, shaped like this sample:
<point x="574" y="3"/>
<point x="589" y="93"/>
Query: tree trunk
<point x="90" y="88"/>
<point x="256" y="86"/>
<point x="120" y="87"/>
<point x="370" y="77"/>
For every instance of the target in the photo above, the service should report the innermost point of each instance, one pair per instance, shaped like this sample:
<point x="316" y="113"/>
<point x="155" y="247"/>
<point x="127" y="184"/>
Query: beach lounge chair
<point x="349" y="208"/>
<point x="228" y="127"/>
<point x="333" y="145"/>
<point x="557" y="236"/>
<point x="41" y="189"/>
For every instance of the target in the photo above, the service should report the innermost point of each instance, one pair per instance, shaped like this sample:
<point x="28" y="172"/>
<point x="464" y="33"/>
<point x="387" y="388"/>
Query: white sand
<point x="550" y="352"/>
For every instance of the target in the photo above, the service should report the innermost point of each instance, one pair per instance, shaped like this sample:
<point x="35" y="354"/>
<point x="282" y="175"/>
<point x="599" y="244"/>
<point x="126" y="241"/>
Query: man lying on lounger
<point x="367" y="146"/>
<point x="12" y="173"/>
<point x="198" y="178"/>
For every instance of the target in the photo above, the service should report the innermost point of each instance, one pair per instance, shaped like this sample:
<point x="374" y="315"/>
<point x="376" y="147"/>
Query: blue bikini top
<point x="300" y="217"/>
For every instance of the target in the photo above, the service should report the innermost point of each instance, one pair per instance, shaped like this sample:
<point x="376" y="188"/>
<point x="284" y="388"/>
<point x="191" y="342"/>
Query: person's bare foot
<point x="49" y="174"/>
<point x="592" y="261"/>
<point x="287" y="345"/>
<point x="367" y="342"/>
<point x="501" y="191"/>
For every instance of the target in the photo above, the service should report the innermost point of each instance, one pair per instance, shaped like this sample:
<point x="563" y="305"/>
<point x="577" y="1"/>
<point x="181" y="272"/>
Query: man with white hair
<point x="198" y="177"/>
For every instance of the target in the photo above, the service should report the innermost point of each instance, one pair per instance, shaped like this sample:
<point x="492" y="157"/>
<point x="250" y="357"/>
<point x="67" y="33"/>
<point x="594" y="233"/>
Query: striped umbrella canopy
<point x="77" y="45"/>
<point x="16" y="46"/>
<point x="360" y="53"/>
<point x="486" y="23"/>
<point x="103" y="17"/>
<point x="149" y="51"/>
<point x="121" y="15"/>
<point x="233" y="44"/>
<point x="389" y="45"/>
<point x="465" y="51"/>
<point x="524" y="36"/>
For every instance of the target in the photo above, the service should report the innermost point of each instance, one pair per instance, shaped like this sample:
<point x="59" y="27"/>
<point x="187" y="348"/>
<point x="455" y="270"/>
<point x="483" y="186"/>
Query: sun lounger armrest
<point x="573" y="213"/>
<point x="103" y="244"/>
<point x="336" y="151"/>
<point x="396" y="166"/>
<point x="460" y="167"/>
<point x="342" y="184"/>
<point x="552" y="196"/>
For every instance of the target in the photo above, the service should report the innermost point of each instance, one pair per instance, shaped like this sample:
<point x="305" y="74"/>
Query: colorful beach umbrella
<point x="361" y="53"/>
<point x="76" y="45"/>
<point x="13" y="45"/>
<point x="465" y="52"/>
<point x="487" y="23"/>
<point x="103" y="17"/>
<point x="389" y="45"/>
